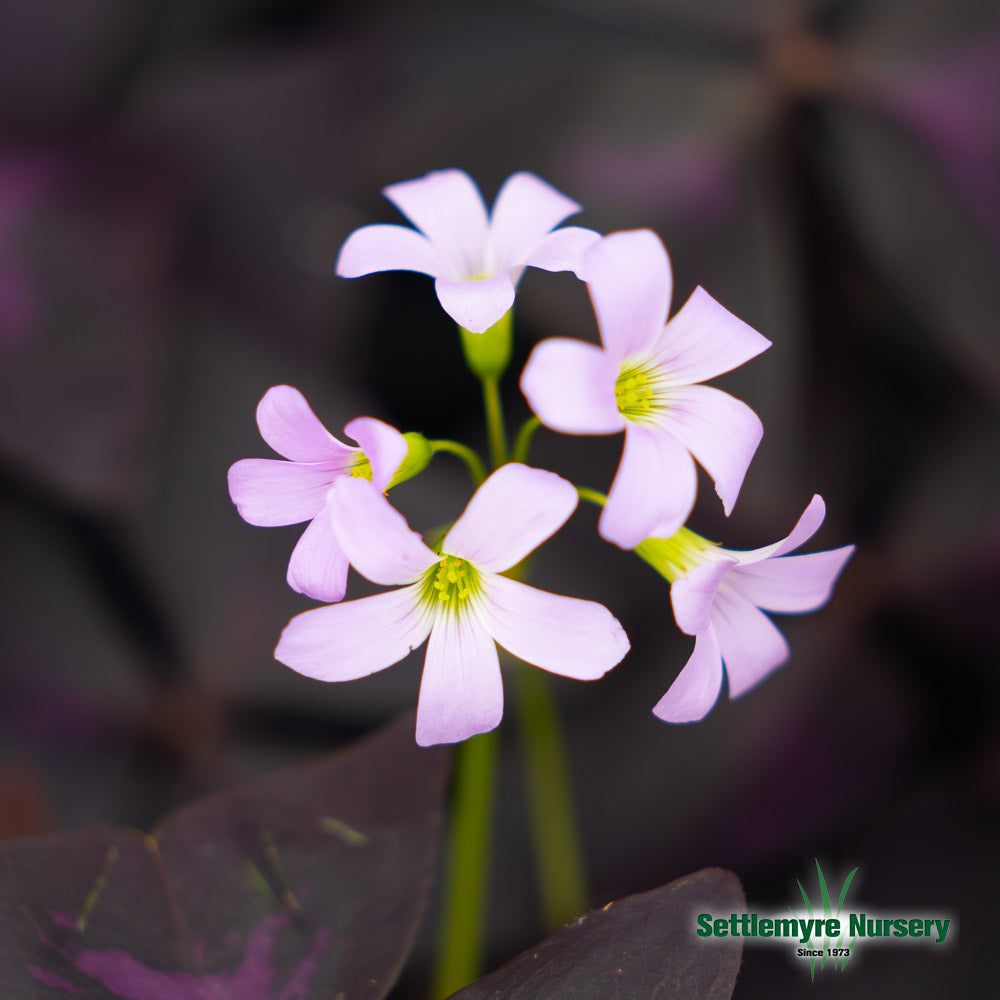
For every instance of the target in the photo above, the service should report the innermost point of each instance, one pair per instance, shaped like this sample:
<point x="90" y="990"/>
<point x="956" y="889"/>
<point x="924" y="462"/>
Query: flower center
<point x="636" y="391"/>
<point x="361" y="467"/>
<point x="673" y="557"/>
<point x="449" y="585"/>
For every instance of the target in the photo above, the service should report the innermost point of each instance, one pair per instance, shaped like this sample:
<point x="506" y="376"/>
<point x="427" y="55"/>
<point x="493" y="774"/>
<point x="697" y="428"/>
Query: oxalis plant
<point x="312" y="883"/>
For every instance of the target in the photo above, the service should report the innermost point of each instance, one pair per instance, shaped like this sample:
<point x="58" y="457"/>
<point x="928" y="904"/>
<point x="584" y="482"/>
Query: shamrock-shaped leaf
<point x="308" y="883"/>
<point x="642" y="946"/>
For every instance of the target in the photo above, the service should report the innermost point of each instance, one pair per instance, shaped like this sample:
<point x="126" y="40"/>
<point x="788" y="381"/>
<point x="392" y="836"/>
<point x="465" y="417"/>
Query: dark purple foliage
<point x="640" y="947"/>
<point x="299" y="885"/>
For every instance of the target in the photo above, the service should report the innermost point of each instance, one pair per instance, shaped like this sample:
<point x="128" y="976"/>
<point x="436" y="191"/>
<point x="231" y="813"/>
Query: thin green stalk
<point x="591" y="496"/>
<point x="522" y="443"/>
<point x="496" y="431"/>
<point x="472" y="461"/>
<point x="558" y="855"/>
<point x="461" y="944"/>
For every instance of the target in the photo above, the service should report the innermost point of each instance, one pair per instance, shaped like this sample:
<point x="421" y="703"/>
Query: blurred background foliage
<point x="175" y="181"/>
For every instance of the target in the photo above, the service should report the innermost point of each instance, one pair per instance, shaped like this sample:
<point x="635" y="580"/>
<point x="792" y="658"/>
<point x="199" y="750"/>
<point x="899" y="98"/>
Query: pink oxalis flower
<point x="269" y="492"/>
<point x="458" y="598"/>
<point x="720" y="596"/>
<point x="476" y="259"/>
<point x="644" y="379"/>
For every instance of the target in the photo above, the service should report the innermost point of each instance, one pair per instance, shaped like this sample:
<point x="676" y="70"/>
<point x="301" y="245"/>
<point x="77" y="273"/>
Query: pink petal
<point x="291" y="428"/>
<point x="562" y="250"/>
<point x="563" y="635"/>
<point x="751" y="644"/>
<point x="806" y="526"/>
<point x="461" y="692"/>
<point x="476" y="305"/>
<point x="526" y="208"/>
<point x="513" y="512"/>
<point x="693" y="595"/>
<point x="791" y="583"/>
<point x="318" y="566"/>
<point x="345" y="641"/>
<point x="653" y="491"/>
<point x="448" y="209"/>
<point x="384" y="447"/>
<point x="628" y="275"/>
<point x="720" y="431"/>
<point x="571" y="387"/>
<point x="269" y="492"/>
<point x="388" y="248"/>
<point x="696" y="689"/>
<point x="375" y="538"/>
<point x="705" y="339"/>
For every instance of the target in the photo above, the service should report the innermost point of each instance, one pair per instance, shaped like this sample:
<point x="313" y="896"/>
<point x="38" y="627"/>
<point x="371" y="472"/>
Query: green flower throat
<point x="449" y="584"/>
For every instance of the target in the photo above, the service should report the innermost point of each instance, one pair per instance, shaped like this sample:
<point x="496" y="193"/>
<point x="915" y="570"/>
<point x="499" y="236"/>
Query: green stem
<point x="522" y="443"/>
<point x="591" y="496"/>
<point x="556" y="843"/>
<point x="462" y="932"/>
<point x="472" y="461"/>
<point x="496" y="431"/>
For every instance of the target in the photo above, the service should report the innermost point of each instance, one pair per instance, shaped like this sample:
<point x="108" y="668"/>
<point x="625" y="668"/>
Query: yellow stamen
<point x="450" y="583"/>
<point x="362" y="468"/>
<point x="638" y="391"/>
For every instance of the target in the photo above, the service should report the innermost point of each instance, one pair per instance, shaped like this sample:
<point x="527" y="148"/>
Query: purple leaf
<point x="641" y="946"/>
<point x="308" y="883"/>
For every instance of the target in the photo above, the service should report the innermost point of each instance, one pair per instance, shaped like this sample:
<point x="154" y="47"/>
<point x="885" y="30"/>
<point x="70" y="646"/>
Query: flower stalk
<point x="462" y="933"/>
<point x="496" y="432"/>
<point x="522" y="442"/>
<point x="477" y="471"/>
<point x="562" y="887"/>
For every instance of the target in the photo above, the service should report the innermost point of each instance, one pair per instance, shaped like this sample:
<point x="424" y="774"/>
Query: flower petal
<point x="446" y="206"/>
<point x="513" y="512"/>
<point x="384" y="447"/>
<point x="375" y="538"/>
<point x="705" y="339"/>
<point x="571" y="387"/>
<point x="791" y="583"/>
<point x="563" y="635"/>
<point x="461" y="691"/>
<point x="693" y="595"/>
<point x="653" y="491"/>
<point x="291" y="428"/>
<point x="318" y="566"/>
<point x="722" y="432"/>
<point x="562" y="250"/>
<point x="628" y="275"/>
<point x="476" y="305"/>
<point x="750" y="643"/>
<point x="807" y="525"/>
<point x="526" y="208"/>
<point x="691" y="697"/>
<point x="268" y="491"/>
<point x="354" y="639"/>
<point x="388" y="248"/>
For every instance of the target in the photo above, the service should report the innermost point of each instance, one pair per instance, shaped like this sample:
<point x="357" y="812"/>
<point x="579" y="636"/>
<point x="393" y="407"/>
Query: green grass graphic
<point x="826" y="943"/>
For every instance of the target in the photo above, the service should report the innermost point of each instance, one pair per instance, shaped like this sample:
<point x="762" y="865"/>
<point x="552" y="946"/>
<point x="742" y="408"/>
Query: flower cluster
<point x="645" y="379"/>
